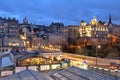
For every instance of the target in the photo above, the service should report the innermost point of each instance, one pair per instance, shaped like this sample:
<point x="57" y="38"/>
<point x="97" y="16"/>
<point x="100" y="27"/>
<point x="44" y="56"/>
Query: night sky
<point x="69" y="12"/>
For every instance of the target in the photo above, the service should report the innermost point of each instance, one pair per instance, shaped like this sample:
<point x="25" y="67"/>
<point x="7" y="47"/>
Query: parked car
<point x="114" y="66"/>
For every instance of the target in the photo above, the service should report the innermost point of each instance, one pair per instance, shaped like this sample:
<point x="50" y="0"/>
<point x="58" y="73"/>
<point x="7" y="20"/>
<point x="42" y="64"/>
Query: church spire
<point x="110" y="22"/>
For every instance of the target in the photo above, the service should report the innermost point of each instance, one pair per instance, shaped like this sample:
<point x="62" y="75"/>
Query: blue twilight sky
<point x="70" y="12"/>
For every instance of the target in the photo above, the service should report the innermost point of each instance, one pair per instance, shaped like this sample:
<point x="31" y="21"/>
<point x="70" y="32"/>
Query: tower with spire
<point x="110" y="26"/>
<point x="110" y="22"/>
<point x="25" y="20"/>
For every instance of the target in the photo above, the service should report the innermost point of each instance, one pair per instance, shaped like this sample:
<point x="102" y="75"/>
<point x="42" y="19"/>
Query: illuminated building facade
<point x="9" y="28"/>
<point x="95" y="30"/>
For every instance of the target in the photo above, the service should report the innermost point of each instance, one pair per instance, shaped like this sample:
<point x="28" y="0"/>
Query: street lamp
<point x="116" y="75"/>
<point x="97" y="47"/>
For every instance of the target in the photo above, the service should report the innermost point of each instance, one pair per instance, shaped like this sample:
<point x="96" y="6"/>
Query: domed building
<point x="94" y="21"/>
<point x="94" y="30"/>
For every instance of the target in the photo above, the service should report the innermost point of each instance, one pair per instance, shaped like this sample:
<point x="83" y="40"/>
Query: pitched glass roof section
<point x="6" y="60"/>
<point x="74" y="73"/>
<point x="27" y="75"/>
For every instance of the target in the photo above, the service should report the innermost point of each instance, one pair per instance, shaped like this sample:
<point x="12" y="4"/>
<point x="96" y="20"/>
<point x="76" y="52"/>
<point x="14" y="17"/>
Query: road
<point x="76" y="61"/>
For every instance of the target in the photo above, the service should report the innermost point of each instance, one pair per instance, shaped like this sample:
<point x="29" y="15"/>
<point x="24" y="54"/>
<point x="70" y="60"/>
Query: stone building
<point x="95" y="31"/>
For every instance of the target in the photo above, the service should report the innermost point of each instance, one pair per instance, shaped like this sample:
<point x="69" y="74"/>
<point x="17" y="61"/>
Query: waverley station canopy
<point x="27" y="75"/>
<point x="7" y="61"/>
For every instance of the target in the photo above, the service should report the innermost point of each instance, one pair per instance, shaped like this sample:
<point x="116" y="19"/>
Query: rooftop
<point x="6" y="60"/>
<point x="74" y="73"/>
<point x="27" y="75"/>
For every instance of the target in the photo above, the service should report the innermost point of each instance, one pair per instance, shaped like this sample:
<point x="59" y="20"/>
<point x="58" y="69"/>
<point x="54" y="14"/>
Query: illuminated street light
<point x="97" y="47"/>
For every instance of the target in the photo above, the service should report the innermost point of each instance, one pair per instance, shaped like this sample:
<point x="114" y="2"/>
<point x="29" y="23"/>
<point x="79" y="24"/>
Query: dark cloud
<point x="66" y="11"/>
